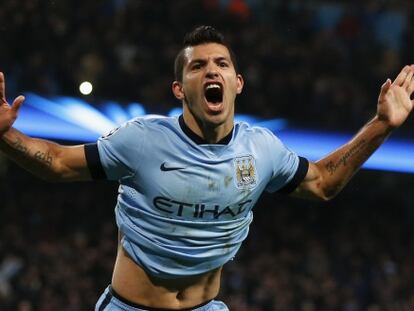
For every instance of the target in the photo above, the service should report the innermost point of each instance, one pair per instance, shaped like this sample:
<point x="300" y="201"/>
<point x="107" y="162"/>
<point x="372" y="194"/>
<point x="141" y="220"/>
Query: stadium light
<point x="86" y="88"/>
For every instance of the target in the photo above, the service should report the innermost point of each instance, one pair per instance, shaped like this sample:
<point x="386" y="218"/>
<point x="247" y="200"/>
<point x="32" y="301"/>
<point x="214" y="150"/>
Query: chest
<point x="203" y="184"/>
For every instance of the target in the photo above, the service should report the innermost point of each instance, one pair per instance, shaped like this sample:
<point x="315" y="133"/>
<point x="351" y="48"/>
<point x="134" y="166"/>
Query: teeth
<point x="211" y="86"/>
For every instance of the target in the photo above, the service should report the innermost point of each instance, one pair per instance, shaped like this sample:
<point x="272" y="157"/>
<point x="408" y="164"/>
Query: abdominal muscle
<point x="131" y="282"/>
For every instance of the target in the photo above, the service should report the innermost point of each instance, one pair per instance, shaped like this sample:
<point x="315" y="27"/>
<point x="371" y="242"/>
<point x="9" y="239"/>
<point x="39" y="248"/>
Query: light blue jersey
<point x="184" y="206"/>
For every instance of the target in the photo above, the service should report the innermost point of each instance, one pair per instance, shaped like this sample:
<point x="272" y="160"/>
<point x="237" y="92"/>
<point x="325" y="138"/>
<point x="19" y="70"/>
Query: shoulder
<point x="142" y="124"/>
<point x="260" y="137"/>
<point x="154" y="121"/>
<point x="244" y="129"/>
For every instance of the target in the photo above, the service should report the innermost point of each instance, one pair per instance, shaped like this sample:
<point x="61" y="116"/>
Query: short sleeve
<point x="288" y="169"/>
<point x="120" y="150"/>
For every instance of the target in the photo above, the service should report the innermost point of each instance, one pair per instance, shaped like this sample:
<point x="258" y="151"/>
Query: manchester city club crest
<point x="246" y="175"/>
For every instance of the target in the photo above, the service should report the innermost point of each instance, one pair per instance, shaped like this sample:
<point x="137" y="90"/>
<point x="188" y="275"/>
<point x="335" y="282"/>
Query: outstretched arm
<point x="43" y="158"/>
<point x="327" y="177"/>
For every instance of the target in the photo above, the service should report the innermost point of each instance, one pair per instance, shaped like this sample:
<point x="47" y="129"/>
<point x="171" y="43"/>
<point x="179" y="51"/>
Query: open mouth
<point x="213" y="93"/>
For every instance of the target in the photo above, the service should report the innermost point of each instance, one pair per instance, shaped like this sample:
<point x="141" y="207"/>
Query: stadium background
<point x="317" y="64"/>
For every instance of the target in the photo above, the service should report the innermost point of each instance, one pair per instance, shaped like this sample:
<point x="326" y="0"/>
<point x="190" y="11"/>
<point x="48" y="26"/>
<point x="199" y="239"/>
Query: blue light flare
<point x="394" y="155"/>
<point x="135" y="110"/>
<point x="85" y="115"/>
<point x="115" y="112"/>
<point x="175" y="112"/>
<point x="72" y="119"/>
<point x="39" y="124"/>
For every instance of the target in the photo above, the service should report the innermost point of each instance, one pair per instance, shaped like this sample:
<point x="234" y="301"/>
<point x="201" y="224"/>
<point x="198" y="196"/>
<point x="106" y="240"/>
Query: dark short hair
<point x="200" y="35"/>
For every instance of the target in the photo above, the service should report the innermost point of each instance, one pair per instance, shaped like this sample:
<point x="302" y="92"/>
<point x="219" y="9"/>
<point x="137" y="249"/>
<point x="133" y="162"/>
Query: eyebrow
<point x="202" y="60"/>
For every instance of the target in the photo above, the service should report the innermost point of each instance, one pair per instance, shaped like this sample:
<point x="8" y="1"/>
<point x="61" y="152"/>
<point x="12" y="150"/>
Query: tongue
<point x="214" y="106"/>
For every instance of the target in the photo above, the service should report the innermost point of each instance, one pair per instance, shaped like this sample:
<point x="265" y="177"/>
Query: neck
<point x="211" y="133"/>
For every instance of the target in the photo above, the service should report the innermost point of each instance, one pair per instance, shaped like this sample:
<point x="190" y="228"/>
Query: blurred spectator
<point x="348" y="254"/>
<point x="287" y="51"/>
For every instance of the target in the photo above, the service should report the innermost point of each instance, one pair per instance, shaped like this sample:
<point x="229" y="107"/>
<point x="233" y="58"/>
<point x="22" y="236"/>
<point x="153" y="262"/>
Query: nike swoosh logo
<point x="170" y="168"/>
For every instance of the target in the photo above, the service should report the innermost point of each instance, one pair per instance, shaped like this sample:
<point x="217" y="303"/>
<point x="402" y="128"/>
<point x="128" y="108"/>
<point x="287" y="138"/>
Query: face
<point x="209" y="86"/>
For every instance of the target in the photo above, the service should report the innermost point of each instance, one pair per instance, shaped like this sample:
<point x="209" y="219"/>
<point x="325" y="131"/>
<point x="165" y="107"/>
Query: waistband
<point x="114" y="294"/>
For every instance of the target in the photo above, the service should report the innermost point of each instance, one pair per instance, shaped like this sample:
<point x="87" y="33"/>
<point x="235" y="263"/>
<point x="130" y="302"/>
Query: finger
<point x="401" y="76"/>
<point x="17" y="103"/>
<point x="385" y="87"/>
<point x="408" y="78"/>
<point x="410" y="86"/>
<point x="2" y="88"/>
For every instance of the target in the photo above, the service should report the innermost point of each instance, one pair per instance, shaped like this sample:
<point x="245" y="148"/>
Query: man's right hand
<point x="8" y="113"/>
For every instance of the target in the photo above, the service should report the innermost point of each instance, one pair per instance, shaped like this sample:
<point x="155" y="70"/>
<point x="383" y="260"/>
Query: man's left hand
<point x="394" y="102"/>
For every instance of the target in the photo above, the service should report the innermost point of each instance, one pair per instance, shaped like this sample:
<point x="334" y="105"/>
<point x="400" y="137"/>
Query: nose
<point x="211" y="71"/>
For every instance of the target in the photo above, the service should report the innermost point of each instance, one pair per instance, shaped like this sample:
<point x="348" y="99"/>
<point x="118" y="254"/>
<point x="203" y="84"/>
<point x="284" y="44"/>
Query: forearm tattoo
<point x="43" y="157"/>
<point x="332" y="167"/>
<point x="18" y="145"/>
<point x="40" y="156"/>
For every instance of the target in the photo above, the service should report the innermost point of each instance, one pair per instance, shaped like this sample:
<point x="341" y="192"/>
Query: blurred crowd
<point x="355" y="253"/>
<point x="318" y="63"/>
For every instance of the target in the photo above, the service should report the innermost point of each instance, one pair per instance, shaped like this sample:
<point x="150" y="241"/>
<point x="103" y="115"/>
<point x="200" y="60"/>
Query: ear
<point x="177" y="89"/>
<point x="240" y="83"/>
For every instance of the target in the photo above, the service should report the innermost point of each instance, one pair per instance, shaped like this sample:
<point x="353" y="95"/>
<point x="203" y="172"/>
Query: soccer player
<point x="188" y="184"/>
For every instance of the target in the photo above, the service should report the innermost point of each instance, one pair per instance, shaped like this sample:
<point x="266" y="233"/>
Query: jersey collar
<point x="199" y="140"/>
